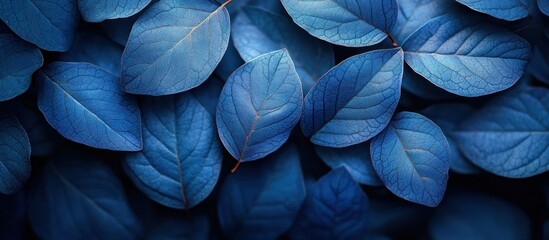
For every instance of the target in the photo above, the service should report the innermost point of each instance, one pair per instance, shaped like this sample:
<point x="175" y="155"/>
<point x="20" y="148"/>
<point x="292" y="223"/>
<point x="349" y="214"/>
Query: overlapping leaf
<point x="15" y="166"/>
<point x="510" y="10"/>
<point x="99" y="10"/>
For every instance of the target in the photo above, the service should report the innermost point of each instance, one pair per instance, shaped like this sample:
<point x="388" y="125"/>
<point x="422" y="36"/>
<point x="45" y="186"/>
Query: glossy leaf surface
<point x="15" y="166"/>
<point x="99" y="10"/>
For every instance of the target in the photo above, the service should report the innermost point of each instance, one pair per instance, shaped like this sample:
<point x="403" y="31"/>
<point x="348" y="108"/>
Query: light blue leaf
<point x="99" y="10"/>
<point x="262" y="199"/>
<point x="49" y="24"/>
<point x="509" y="10"/>
<point x="412" y="158"/>
<point x="259" y="106"/>
<point x="356" y="159"/>
<point x="181" y="157"/>
<point x="79" y="198"/>
<point x="348" y="23"/>
<point x="412" y="14"/>
<point x="335" y="208"/>
<point x="84" y="103"/>
<point x="15" y="149"/>
<point x="355" y="100"/>
<point x="466" y="56"/>
<point x="174" y="46"/>
<point x="18" y="61"/>
<point x="510" y="135"/>
<point x="258" y="31"/>
<point x="544" y="6"/>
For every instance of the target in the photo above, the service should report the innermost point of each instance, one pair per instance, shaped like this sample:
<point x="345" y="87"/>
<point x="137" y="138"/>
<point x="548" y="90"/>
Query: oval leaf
<point x="510" y="135"/>
<point x="345" y="22"/>
<point x="259" y="106"/>
<point x="467" y="57"/>
<point x="509" y="10"/>
<point x="262" y="199"/>
<point x="412" y="158"/>
<point x="15" y="166"/>
<point x="48" y="24"/>
<point x="181" y="157"/>
<point x="99" y="10"/>
<point x="355" y="100"/>
<point x="84" y="104"/>
<point x="174" y="46"/>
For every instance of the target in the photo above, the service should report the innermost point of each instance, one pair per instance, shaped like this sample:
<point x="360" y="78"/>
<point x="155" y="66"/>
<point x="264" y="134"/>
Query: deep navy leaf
<point x="49" y="24"/>
<point x="181" y="158"/>
<point x="208" y="93"/>
<point x="229" y="63"/>
<point x="412" y="158"/>
<point x="447" y="117"/>
<point x="259" y="106"/>
<point x="119" y="30"/>
<point x="544" y="6"/>
<point x="13" y="215"/>
<point x="355" y="100"/>
<point x="181" y="228"/>
<point x="84" y="103"/>
<point x="345" y="22"/>
<point x="476" y="216"/>
<point x="467" y="56"/>
<point x="510" y="135"/>
<point x="412" y="14"/>
<point x="262" y="199"/>
<point x="15" y="149"/>
<point x="356" y="159"/>
<point x="335" y="208"/>
<point x="99" y="10"/>
<point x="257" y="31"/>
<point x="509" y="10"/>
<point x="73" y="197"/>
<point x="174" y="46"/>
<point x="18" y="61"/>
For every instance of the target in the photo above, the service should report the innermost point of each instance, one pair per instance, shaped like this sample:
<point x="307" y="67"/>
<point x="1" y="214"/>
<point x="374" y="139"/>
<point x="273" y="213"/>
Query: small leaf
<point x="466" y="56"/>
<point x="84" y="104"/>
<point x="510" y="135"/>
<point x="99" y="10"/>
<point x="259" y="106"/>
<point x="181" y="157"/>
<point x="355" y="100"/>
<point x="174" y="46"/>
<point x="15" y="149"/>
<point x="412" y="158"/>
<point x="345" y="22"/>
<point x="509" y="10"/>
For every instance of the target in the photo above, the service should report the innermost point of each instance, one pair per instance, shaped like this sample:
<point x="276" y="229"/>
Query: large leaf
<point x="174" y="46"/>
<point x="412" y="158"/>
<point x="49" y="24"/>
<point x="18" y="61"/>
<point x="259" y="106"/>
<point x="335" y="208"/>
<point x="99" y="10"/>
<point x="509" y="10"/>
<point x="345" y="22"/>
<point x="84" y="103"/>
<point x="75" y="198"/>
<point x="15" y="149"/>
<point x="181" y="157"/>
<point x="510" y="135"/>
<point x="355" y="100"/>
<point x="262" y="199"/>
<point x="466" y="56"/>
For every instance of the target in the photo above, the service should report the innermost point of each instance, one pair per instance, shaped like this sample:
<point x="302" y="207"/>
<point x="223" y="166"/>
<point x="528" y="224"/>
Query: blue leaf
<point x="84" y="104"/>
<point x="259" y="106"/>
<point x="257" y="31"/>
<point x="183" y="228"/>
<point x="119" y="30"/>
<point x="412" y="158"/>
<point x="419" y="86"/>
<point x="49" y="24"/>
<point x="348" y="23"/>
<point x="229" y="63"/>
<point x="181" y="157"/>
<point x="19" y="60"/>
<point x="95" y="49"/>
<point x="544" y="6"/>
<point x="174" y="46"/>
<point x="509" y="10"/>
<point x="466" y="56"/>
<point x="356" y="159"/>
<point x="76" y="198"/>
<point x="477" y="216"/>
<point x="99" y="10"/>
<point x="447" y="117"/>
<point x="335" y="208"/>
<point x="355" y="100"/>
<point x="510" y="135"/>
<point x="208" y="93"/>
<point x="262" y="199"/>
<point x="15" y="149"/>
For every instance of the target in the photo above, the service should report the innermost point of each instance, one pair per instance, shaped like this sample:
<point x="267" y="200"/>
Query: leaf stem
<point x="392" y="40"/>
<point x="236" y="166"/>
<point x="225" y="3"/>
